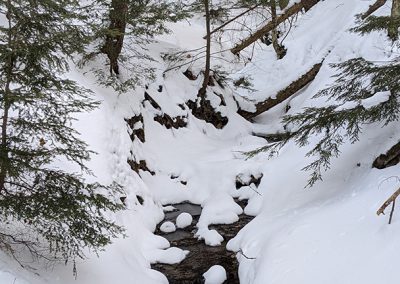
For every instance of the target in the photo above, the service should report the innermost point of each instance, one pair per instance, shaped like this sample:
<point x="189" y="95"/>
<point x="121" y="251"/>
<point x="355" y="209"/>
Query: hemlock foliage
<point x="37" y="108"/>
<point x="120" y="31"/>
<point x="358" y="83"/>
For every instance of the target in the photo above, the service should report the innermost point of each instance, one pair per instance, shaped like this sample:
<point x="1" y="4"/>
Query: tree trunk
<point x="4" y="152"/>
<point x="393" y="30"/>
<point x="202" y="108"/>
<point x="304" y="4"/>
<point x="284" y="94"/>
<point x="203" y="89"/>
<point x="279" y="49"/>
<point x="373" y="8"/>
<point x="116" y="31"/>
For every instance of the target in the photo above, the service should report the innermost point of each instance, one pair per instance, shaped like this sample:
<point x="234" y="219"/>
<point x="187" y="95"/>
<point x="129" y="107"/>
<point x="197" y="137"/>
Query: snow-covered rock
<point x="168" y="227"/>
<point x="183" y="220"/>
<point x="211" y="237"/>
<point x="215" y="275"/>
<point x="171" y="255"/>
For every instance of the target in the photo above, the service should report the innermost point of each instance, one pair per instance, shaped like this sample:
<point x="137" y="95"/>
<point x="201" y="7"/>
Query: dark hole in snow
<point x="189" y="74"/>
<point x="140" y="199"/>
<point x="171" y="122"/>
<point x="140" y="166"/>
<point x="153" y="103"/>
<point x="135" y="123"/>
<point x="123" y="199"/>
<point x="246" y="180"/>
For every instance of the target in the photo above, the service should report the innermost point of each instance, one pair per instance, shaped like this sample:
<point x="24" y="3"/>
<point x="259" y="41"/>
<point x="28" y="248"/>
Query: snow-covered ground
<point x="327" y="234"/>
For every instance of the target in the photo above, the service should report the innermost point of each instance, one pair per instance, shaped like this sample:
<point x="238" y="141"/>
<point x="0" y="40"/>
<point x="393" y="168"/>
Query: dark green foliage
<point x="345" y="117"/>
<point x="244" y="82"/>
<point x="138" y="25"/>
<point x="343" y="120"/>
<point x="37" y="106"/>
<point x="373" y="23"/>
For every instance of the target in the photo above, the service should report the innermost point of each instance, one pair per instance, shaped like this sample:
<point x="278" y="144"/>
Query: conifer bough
<point x="349" y="110"/>
<point x="57" y="209"/>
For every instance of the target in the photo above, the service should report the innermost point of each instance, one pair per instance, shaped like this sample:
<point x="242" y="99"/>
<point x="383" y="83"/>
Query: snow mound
<point x="168" y="227"/>
<point x="211" y="237"/>
<point x="215" y="275"/>
<point x="183" y="220"/>
<point x="171" y="255"/>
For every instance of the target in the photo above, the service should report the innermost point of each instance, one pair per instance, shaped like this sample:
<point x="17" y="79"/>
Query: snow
<point x="168" y="208"/>
<point x="170" y="256"/>
<point x="327" y="234"/>
<point x="168" y="227"/>
<point x="7" y="277"/>
<point x="378" y="98"/>
<point x="183" y="220"/>
<point x="215" y="275"/>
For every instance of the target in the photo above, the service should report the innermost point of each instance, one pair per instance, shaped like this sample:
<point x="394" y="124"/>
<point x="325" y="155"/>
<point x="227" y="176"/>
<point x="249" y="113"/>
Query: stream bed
<point x="201" y="256"/>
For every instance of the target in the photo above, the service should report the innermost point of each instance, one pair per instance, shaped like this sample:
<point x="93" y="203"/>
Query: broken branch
<point x="390" y="200"/>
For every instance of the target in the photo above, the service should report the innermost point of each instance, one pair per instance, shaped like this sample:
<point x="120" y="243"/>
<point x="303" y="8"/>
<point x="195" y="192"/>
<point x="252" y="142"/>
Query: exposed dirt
<point x="140" y="165"/>
<point x="171" y="122"/>
<point x="202" y="109"/>
<point x="136" y="125"/>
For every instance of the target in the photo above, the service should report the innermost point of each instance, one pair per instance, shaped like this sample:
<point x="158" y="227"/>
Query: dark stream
<point x="201" y="256"/>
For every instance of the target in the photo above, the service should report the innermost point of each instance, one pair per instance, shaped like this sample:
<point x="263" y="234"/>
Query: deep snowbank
<point x="327" y="234"/>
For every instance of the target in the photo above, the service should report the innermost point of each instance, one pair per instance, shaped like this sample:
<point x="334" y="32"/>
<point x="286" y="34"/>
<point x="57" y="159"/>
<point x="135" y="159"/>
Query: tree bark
<point x="114" y="40"/>
<point x="390" y="200"/>
<point x="4" y="152"/>
<point x="279" y="49"/>
<point x="391" y="158"/>
<point x="304" y="4"/>
<point x="284" y="94"/>
<point x="393" y="30"/>
<point x="373" y="8"/>
<point x="206" y="79"/>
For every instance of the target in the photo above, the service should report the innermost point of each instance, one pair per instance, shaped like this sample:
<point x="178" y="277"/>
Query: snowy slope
<point x="327" y="234"/>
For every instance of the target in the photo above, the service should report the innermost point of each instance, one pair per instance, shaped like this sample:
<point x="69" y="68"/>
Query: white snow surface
<point x="183" y="220"/>
<point x="215" y="275"/>
<point x="327" y="234"/>
<point x="168" y="227"/>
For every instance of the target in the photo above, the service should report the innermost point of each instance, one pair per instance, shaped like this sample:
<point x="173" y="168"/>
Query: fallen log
<point x="284" y="94"/>
<point x="391" y="158"/>
<point x="303" y="4"/>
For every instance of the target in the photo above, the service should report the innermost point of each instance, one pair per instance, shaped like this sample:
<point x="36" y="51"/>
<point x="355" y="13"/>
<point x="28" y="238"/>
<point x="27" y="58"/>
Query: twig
<point x="391" y="211"/>
<point x="256" y="191"/>
<point x="231" y="20"/>
<point x="242" y="253"/>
